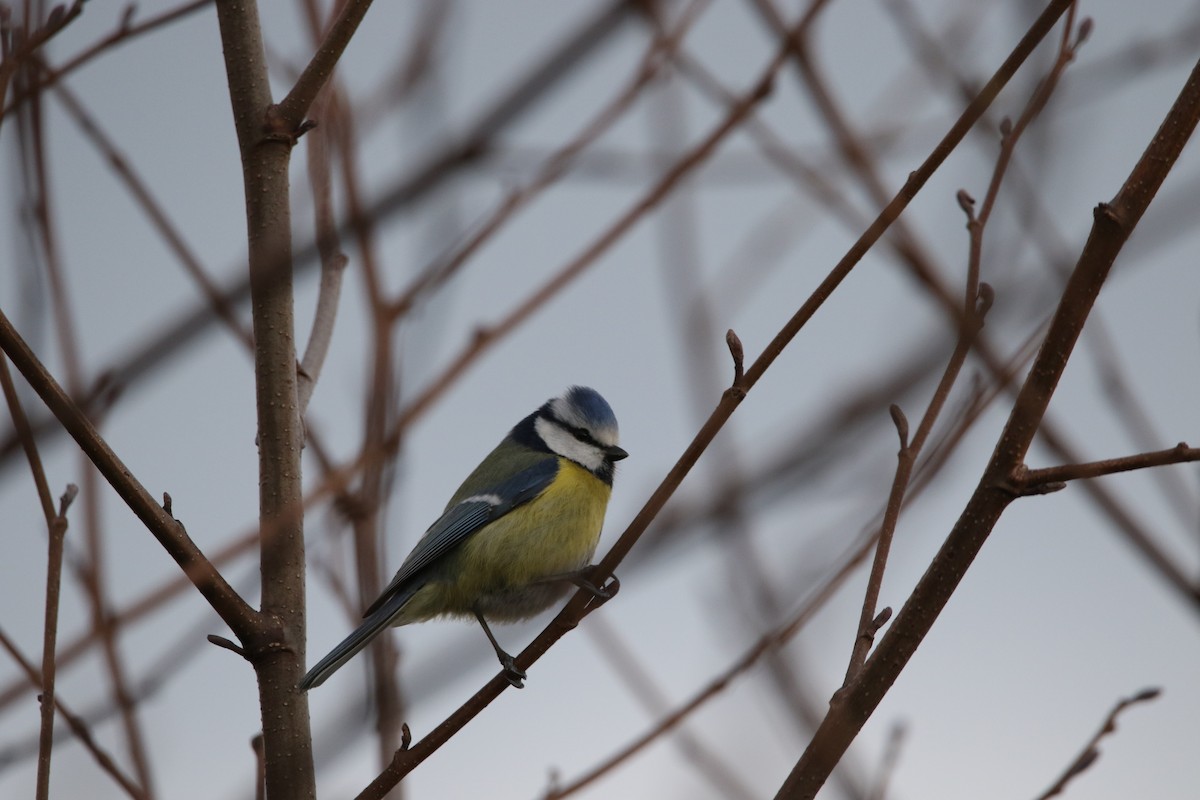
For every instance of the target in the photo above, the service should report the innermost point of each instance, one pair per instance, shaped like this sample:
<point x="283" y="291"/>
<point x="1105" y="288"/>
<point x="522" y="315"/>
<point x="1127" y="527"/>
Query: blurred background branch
<point x="507" y="198"/>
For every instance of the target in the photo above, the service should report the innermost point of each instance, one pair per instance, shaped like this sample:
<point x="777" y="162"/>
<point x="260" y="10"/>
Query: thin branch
<point x="869" y="620"/>
<point x="93" y="573"/>
<point x="1031" y="479"/>
<point x="333" y="260"/>
<point x="381" y="404"/>
<point x="58" y="531"/>
<point x="1123" y="519"/>
<point x="978" y="301"/>
<point x="1091" y="753"/>
<point x="290" y="111"/>
<point x="28" y="441"/>
<point x="1072" y="38"/>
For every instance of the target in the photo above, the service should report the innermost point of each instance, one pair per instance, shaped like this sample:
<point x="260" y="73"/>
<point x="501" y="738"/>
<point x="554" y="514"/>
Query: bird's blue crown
<point x="585" y="408"/>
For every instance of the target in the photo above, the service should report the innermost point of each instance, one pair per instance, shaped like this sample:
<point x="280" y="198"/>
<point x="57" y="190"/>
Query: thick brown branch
<point x="278" y="655"/>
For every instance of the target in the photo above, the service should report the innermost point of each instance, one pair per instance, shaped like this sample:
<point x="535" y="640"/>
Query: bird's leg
<point x="516" y="675"/>
<point x="582" y="578"/>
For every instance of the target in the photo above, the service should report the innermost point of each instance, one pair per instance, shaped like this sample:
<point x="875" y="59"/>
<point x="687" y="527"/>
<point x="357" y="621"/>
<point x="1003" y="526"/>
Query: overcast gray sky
<point x="1057" y="619"/>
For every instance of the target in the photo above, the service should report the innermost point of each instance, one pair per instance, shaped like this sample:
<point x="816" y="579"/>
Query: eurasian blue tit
<point x="516" y="535"/>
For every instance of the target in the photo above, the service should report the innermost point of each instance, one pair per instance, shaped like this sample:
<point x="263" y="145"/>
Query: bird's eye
<point x="581" y="434"/>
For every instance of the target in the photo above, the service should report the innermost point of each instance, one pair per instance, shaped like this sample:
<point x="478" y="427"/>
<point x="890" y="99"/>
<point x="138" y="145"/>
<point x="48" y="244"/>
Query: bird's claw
<point x="514" y="674"/>
<point x="602" y="594"/>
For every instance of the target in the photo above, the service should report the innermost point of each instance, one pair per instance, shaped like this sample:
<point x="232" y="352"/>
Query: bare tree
<point x="743" y="222"/>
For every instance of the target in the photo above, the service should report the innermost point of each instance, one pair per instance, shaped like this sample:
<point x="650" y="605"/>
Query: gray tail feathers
<point x="356" y="641"/>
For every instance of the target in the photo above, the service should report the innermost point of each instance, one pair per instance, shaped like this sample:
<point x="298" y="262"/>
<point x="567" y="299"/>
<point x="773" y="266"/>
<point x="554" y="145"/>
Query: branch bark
<point x="277" y="650"/>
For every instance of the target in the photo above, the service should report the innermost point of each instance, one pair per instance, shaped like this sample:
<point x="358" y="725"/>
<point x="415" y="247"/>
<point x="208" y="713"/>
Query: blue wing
<point x="464" y="519"/>
<point x="452" y="528"/>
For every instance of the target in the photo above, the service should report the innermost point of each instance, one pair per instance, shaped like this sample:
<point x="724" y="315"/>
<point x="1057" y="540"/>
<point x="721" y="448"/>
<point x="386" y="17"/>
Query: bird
<point x="518" y="533"/>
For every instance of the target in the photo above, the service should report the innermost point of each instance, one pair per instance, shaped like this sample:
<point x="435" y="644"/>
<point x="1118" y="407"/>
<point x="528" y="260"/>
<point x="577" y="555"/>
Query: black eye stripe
<point x="578" y="432"/>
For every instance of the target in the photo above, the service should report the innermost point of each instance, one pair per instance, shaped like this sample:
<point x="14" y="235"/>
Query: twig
<point x="27" y="439"/>
<point x="1091" y="753"/>
<point x="1032" y="479"/>
<point x="289" y="112"/>
<point x="1072" y="38"/>
<point x="361" y="505"/>
<point x="333" y="260"/>
<point x="869" y="621"/>
<point x="977" y="301"/>
<point x="1123" y="519"/>
<point x="58" y="530"/>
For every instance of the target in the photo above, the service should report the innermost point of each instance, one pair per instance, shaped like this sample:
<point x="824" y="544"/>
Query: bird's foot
<point x="515" y="675"/>
<point x="583" y="580"/>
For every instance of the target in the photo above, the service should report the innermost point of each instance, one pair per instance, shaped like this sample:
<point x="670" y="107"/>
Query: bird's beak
<point x="615" y="453"/>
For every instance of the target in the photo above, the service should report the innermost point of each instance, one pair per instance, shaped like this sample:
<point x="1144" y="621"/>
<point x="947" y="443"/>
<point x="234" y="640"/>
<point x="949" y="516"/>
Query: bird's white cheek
<point x="568" y="446"/>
